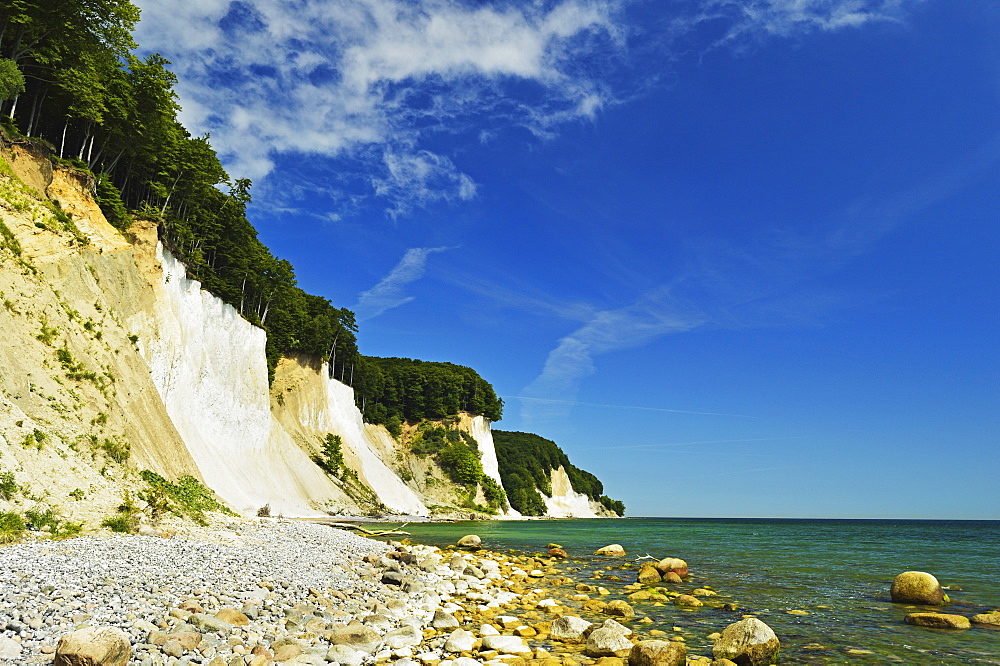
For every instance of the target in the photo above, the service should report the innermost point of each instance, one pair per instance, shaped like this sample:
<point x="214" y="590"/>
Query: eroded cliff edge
<point x="115" y="361"/>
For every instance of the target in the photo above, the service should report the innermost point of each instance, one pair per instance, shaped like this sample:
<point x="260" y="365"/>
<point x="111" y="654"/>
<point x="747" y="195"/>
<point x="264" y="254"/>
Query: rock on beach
<point x="749" y="642"/>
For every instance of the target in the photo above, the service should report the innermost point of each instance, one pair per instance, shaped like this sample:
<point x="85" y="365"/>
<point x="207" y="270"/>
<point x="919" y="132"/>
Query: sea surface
<point x="839" y="571"/>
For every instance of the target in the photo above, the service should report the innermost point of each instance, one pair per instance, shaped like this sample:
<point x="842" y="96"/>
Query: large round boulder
<point x="916" y="587"/>
<point x="606" y="642"/>
<point x="470" y="542"/>
<point x="93" y="646"/>
<point x="748" y="642"/>
<point x="674" y="564"/>
<point x="613" y="550"/>
<point x="657" y="653"/>
<point x="648" y="574"/>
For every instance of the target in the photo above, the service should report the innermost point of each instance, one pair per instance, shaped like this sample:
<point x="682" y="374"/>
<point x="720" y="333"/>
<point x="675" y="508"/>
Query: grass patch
<point x="184" y="497"/>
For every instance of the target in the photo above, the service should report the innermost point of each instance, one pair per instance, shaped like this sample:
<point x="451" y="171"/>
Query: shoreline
<point x="263" y="590"/>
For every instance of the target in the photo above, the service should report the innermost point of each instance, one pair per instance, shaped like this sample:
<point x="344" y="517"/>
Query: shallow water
<point x="837" y="570"/>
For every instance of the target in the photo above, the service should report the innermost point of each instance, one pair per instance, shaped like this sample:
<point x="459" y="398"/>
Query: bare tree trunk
<point x="62" y="144"/>
<point x="13" y="106"/>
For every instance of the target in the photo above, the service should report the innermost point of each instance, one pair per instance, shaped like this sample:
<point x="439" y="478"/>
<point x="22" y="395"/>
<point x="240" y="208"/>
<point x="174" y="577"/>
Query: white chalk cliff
<point x="181" y="377"/>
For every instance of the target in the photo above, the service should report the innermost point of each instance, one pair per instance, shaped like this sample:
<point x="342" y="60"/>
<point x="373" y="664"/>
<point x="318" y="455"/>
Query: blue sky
<point x="736" y="257"/>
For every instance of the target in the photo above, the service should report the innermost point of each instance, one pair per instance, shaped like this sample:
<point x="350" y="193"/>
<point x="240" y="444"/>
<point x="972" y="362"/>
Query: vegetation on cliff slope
<point x="526" y="462"/>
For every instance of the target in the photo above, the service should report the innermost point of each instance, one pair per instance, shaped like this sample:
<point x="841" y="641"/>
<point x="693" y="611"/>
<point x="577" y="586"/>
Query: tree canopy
<point x="526" y="463"/>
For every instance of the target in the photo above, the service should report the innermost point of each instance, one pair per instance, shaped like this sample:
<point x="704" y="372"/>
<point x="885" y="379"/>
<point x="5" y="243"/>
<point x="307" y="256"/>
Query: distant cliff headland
<point x="157" y="358"/>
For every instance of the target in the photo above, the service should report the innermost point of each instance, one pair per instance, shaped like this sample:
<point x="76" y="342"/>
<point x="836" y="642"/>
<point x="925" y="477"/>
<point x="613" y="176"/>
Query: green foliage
<point x="331" y="458"/>
<point x="393" y="390"/>
<point x="184" y="497"/>
<point x="526" y="462"/>
<point x="612" y="505"/>
<point x="116" y="449"/>
<point x="8" y="486"/>
<point x="110" y="200"/>
<point x="35" y="439"/>
<point x="12" y="527"/>
<point x="496" y="498"/>
<point x="11" y="79"/>
<point x="8" y="240"/>
<point x="58" y="528"/>
<point x="47" y="334"/>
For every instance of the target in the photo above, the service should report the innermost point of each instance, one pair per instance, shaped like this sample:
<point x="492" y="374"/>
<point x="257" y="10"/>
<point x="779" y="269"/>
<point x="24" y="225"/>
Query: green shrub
<point x="12" y="527"/>
<point x="8" y="486"/>
<point x="116" y="449"/>
<point x="121" y="523"/>
<point x="185" y="497"/>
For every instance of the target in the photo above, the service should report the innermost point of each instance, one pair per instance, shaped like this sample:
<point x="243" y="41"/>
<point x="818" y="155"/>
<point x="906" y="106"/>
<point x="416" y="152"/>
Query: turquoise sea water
<point x="837" y="570"/>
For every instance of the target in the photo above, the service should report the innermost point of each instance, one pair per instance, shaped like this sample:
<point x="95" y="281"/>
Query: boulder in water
<point x="748" y="642"/>
<point x="558" y="552"/>
<point x="470" y="542"/>
<point x="916" y="587"/>
<point x="991" y="619"/>
<point x="613" y="550"/>
<point x="938" y="620"/>
<point x="648" y="574"/>
<point x="674" y="564"/>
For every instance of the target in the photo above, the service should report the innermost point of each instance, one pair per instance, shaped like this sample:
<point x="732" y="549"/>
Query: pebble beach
<point x="262" y="591"/>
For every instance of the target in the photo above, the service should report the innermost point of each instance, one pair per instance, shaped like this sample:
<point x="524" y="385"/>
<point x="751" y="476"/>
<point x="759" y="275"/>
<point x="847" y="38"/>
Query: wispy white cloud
<point x="654" y="315"/>
<point x="388" y="293"/>
<point x="752" y="20"/>
<point x="365" y="80"/>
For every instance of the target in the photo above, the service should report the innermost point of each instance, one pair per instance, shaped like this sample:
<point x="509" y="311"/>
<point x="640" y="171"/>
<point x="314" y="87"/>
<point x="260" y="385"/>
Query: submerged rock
<point x="938" y="620"/>
<point x="916" y="587"/>
<point x="649" y="574"/>
<point x="749" y="642"/>
<point x="988" y="619"/>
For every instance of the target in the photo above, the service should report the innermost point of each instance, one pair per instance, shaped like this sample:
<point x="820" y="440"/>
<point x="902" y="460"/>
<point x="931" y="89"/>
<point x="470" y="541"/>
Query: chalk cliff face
<point x="113" y="360"/>
<point x="566" y="502"/>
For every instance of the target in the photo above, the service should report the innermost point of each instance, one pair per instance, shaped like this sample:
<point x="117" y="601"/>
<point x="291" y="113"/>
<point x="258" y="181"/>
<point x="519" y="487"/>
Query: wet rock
<point x="674" y="564"/>
<point x="569" y="628"/>
<point x="688" y="601"/>
<point x="471" y="542"/>
<point x="93" y="646"/>
<point x="672" y="577"/>
<point x="649" y="574"/>
<point x="988" y="619"/>
<point x="558" y="552"/>
<point x="749" y="642"/>
<point x="606" y="642"/>
<point x="619" y="608"/>
<point x="613" y="550"/>
<point x="916" y="587"/>
<point x="657" y="653"/>
<point x="938" y="620"/>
